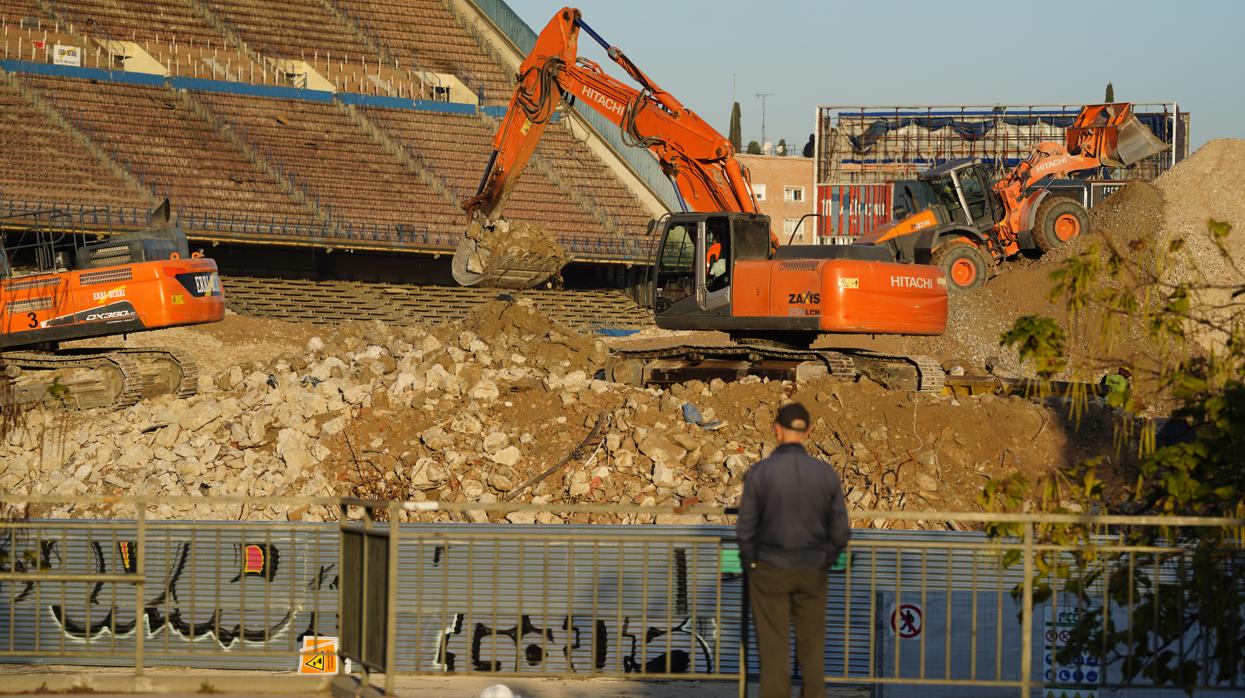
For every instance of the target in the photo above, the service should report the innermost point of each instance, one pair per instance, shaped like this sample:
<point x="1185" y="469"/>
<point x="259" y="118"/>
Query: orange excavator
<point x="53" y="292"/>
<point x="718" y="265"/>
<point x="966" y="223"/>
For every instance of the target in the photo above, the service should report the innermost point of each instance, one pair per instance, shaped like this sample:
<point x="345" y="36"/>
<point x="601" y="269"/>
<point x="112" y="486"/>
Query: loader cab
<point x="965" y="188"/>
<point x="696" y="258"/>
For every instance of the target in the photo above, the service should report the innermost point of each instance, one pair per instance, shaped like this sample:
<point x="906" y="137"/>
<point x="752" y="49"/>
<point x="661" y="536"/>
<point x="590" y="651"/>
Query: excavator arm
<point x="698" y="160"/>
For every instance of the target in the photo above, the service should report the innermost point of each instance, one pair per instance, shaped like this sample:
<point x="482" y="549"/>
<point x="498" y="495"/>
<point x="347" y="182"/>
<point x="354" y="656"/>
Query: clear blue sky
<point x="811" y="52"/>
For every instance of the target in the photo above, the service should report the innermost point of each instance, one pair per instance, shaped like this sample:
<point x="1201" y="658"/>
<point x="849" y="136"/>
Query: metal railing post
<point x="1026" y="623"/>
<point x="341" y="585"/>
<point x="141" y="568"/>
<point x="363" y="604"/>
<point x="391" y="605"/>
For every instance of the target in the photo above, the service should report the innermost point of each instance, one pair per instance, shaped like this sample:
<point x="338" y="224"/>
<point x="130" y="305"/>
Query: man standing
<point x="792" y="526"/>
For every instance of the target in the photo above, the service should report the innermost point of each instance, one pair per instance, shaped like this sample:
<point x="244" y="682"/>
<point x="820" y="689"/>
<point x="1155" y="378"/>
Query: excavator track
<point x="668" y="365"/>
<point x="118" y="377"/>
<point x="167" y="370"/>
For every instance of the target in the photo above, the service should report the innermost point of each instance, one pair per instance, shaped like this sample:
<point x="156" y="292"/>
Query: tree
<point x="1169" y="618"/>
<point x="736" y="133"/>
<point x="782" y="146"/>
<point x="1110" y="97"/>
<point x="754" y="148"/>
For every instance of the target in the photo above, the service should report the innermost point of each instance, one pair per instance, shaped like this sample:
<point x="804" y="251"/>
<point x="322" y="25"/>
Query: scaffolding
<point x="863" y="144"/>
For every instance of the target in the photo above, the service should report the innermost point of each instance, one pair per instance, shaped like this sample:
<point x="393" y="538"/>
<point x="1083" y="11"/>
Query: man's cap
<point x="793" y="416"/>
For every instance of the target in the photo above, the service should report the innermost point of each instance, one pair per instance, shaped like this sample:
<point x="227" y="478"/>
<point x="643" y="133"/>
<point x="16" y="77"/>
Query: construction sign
<point x="319" y="656"/>
<point x="907" y="621"/>
<point x="1078" y="678"/>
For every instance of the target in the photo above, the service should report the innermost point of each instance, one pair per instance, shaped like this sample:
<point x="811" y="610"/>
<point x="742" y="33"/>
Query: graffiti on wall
<point x="193" y="597"/>
<point x="684" y="646"/>
<point x="272" y="594"/>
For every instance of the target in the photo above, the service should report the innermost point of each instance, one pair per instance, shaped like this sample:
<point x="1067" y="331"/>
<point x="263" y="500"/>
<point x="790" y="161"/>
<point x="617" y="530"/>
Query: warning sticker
<point x="907" y="621"/>
<point x="319" y="656"/>
<point x="1080" y="677"/>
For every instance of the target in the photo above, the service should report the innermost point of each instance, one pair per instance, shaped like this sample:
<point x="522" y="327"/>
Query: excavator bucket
<point x="1112" y="133"/>
<point x="501" y="254"/>
<point x="1133" y="143"/>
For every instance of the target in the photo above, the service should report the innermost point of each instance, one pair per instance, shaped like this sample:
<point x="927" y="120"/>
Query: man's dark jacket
<point x="793" y="513"/>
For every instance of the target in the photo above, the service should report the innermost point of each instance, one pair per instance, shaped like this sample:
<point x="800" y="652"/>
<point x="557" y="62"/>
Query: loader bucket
<point x="1133" y="143"/>
<point x="505" y="255"/>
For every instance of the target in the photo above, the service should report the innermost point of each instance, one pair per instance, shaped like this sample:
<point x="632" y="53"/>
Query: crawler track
<point x="901" y="372"/>
<point x="85" y="379"/>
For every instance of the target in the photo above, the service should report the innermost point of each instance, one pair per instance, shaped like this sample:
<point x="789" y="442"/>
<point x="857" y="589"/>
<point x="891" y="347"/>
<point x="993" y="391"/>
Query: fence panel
<point x="930" y="613"/>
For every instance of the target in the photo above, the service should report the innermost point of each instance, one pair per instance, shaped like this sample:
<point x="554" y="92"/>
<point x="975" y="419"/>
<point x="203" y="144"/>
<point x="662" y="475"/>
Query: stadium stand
<point x="43" y="162"/>
<point x="566" y="153"/>
<point x="291" y="28"/>
<point x="127" y="20"/>
<point x="455" y="145"/>
<point x="247" y="146"/>
<point x="15" y="11"/>
<point x="170" y="148"/>
<point x="346" y="169"/>
<point x="425" y="34"/>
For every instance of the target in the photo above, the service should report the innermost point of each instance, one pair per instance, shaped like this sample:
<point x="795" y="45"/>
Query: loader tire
<point x="964" y="264"/>
<point x="1057" y="222"/>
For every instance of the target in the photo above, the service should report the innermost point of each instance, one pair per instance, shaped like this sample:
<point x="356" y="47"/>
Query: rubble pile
<point x="477" y="410"/>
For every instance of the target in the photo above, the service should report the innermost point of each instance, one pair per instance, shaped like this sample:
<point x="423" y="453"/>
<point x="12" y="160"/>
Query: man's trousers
<point x="780" y="597"/>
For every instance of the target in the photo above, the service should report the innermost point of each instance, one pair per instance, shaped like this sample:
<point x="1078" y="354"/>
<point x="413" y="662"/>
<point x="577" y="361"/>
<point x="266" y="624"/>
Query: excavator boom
<point x="698" y="160"/>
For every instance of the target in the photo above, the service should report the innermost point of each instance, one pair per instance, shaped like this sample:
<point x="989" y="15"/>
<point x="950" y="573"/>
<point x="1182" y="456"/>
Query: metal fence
<point x="946" y="612"/>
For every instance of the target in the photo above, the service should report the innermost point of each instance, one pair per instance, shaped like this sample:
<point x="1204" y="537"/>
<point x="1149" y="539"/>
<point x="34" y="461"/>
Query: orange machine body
<point x="845" y="296"/>
<point x="57" y="306"/>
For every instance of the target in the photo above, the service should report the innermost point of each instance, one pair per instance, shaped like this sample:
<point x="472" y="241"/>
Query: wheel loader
<point x="957" y="216"/>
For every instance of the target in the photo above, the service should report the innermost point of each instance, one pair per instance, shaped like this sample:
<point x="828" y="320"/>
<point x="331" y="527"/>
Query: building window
<point x="793" y="193"/>
<point x="758" y="190"/>
<point x="788" y="227"/>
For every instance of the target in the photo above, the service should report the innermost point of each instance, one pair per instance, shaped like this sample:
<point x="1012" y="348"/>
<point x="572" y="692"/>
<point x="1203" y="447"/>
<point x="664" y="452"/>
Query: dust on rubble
<point x="473" y="410"/>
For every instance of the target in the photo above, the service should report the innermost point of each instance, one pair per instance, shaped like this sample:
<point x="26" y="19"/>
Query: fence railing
<point x="425" y="591"/>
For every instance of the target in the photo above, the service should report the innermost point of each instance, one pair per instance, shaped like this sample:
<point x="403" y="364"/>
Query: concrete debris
<point x="471" y="410"/>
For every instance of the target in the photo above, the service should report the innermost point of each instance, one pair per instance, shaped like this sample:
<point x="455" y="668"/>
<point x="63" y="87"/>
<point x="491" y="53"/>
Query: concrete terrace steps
<point x="304" y="300"/>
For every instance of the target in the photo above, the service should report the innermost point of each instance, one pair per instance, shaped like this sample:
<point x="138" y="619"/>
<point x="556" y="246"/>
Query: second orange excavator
<point x="54" y="289"/>
<point x="717" y="264"/>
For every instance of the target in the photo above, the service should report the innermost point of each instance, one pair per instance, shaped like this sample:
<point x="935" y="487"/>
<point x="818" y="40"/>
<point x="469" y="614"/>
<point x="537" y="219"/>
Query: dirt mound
<point x="218" y="346"/>
<point x="1208" y="185"/>
<point x="515" y="325"/>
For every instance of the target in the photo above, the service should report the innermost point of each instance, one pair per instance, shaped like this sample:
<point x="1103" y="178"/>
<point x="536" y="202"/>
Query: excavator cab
<point x="717" y="271"/>
<point x="696" y="259"/>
